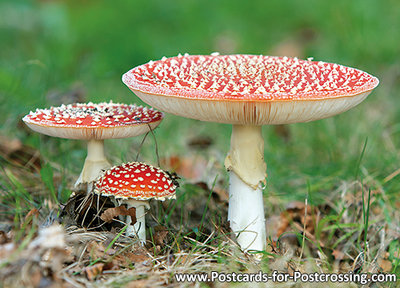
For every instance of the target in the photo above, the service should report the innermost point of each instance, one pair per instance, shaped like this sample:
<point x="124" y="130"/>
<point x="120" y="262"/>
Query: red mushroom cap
<point x="136" y="180"/>
<point x="249" y="89"/>
<point x="93" y="121"/>
<point x="247" y="77"/>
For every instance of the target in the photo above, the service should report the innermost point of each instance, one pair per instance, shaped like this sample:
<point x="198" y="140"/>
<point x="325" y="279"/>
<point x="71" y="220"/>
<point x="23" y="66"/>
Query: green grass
<point x="65" y="51"/>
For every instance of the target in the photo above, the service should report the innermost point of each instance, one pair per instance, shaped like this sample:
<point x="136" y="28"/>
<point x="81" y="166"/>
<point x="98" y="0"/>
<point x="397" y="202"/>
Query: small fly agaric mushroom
<point x="248" y="91"/>
<point x="134" y="184"/>
<point x="94" y="123"/>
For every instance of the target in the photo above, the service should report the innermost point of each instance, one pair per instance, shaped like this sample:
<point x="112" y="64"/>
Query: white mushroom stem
<point x="95" y="162"/>
<point x="247" y="167"/>
<point x="139" y="228"/>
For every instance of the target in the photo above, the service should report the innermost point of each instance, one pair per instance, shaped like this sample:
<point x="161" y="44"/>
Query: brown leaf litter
<point x="90" y="250"/>
<point x="109" y="214"/>
<point x="19" y="154"/>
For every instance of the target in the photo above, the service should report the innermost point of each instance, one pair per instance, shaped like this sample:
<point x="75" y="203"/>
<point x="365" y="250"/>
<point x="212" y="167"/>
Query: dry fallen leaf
<point x="222" y="194"/>
<point x="160" y="234"/>
<point x="344" y="267"/>
<point x="138" y="284"/>
<point x="138" y="255"/>
<point x="95" y="249"/>
<point x="109" y="214"/>
<point x="288" y="244"/>
<point x="200" y="142"/>
<point x="35" y="277"/>
<point x="137" y="258"/>
<point x="32" y="214"/>
<point x="19" y="154"/>
<point x="384" y="263"/>
<point x="93" y="271"/>
<point x="339" y="255"/>
<point x="125" y="259"/>
<point x="8" y="146"/>
<point x="3" y="238"/>
<point x="191" y="168"/>
<point x="296" y="213"/>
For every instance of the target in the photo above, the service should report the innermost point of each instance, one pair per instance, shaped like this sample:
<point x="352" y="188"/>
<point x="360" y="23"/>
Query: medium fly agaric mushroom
<point x="248" y="91"/>
<point x="135" y="184"/>
<point x="94" y="123"/>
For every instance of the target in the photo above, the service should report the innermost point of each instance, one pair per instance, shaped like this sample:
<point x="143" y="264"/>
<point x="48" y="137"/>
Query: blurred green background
<point x="55" y="52"/>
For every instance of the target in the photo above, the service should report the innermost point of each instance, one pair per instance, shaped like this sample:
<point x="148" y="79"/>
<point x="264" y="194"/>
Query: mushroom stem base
<point x="246" y="214"/>
<point x="139" y="228"/>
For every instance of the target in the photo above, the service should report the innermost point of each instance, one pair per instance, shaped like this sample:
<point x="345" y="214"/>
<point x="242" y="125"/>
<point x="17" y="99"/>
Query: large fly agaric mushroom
<point x="135" y="184"/>
<point x="94" y="123"/>
<point x="248" y="91"/>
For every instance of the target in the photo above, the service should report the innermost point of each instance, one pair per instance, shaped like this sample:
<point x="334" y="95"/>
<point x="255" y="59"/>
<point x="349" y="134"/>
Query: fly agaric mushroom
<point x="135" y="184"/>
<point x="94" y="123"/>
<point x="248" y="91"/>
